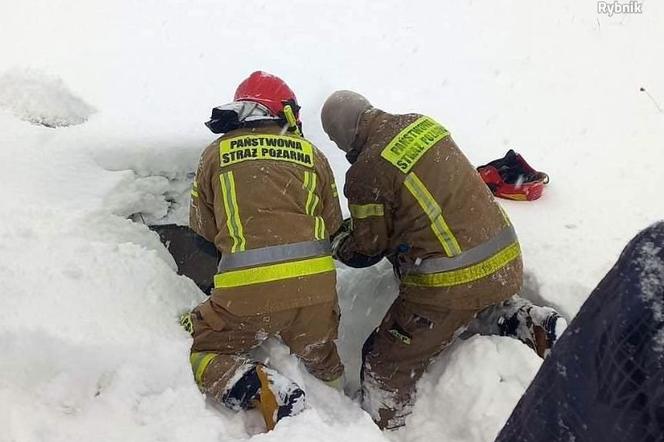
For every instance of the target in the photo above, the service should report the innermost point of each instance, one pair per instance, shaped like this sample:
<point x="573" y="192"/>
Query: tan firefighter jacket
<point x="269" y="203"/>
<point x="415" y="198"/>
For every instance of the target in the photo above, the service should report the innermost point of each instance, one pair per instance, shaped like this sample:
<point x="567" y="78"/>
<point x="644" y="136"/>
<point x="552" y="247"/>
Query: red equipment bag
<point x="512" y="178"/>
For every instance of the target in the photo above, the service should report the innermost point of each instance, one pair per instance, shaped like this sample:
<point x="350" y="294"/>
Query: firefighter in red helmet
<point x="265" y="196"/>
<point x="266" y="89"/>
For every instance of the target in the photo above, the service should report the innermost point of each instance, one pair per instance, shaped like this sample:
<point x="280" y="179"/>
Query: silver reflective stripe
<point x="273" y="254"/>
<point x="479" y="253"/>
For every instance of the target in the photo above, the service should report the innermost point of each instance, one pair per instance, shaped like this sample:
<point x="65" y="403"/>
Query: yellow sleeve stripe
<point x="361" y="211"/>
<point x="310" y="186"/>
<point x="312" y="202"/>
<point x="233" y="221"/>
<point x="435" y="214"/>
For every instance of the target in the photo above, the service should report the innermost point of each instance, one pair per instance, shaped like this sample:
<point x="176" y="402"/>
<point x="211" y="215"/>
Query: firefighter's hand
<point x="340" y="237"/>
<point x="352" y="259"/>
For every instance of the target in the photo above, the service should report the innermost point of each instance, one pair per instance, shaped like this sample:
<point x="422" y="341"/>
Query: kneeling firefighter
<point x="266" y="197"/>
<point x="415" y="199"/>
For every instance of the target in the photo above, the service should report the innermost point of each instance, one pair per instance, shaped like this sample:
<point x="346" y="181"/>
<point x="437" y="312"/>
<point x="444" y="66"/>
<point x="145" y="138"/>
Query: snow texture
<point x="89" y="336"/>
<point x="451" y="396"/>
<point x="652" y="284"/>
<point x="41" y="99"/>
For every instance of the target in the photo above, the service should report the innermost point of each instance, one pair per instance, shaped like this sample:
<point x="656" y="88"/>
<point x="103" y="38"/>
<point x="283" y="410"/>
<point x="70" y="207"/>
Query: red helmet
<point x="266" y="89"/>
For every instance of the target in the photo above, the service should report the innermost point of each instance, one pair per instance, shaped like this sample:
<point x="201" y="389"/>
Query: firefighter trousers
<point x="397" y="353"/>
<point x="222" y="342"/>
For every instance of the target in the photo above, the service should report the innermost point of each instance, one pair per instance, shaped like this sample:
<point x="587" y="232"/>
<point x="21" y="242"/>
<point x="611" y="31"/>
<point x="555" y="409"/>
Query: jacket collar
<point x="366" y="126"/>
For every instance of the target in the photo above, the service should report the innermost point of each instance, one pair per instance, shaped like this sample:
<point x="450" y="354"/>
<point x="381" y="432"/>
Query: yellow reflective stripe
<point x="468" y="274"/>
<point x="435" y="214"/>
<point x="361" y="211"/>
<point x="337" y="384"/>
<point x="274" y="272"/>
<point x="232" y="212"/>
<point x="310" y="186"/>
<point x="312" y="202"/>
<point x="334" y="190"/>
<point x="199" y="363"/>
<point x="319" y="228"/>
<point x="505" y="217"/>
<point x="194" y="190"/>
<point x="412" y="142"/>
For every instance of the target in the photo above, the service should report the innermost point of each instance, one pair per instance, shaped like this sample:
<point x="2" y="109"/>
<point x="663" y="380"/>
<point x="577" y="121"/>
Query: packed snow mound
<point x="42" y="99"/>
<point x="157" y="175"/>
<point x="469" y="392"/>
<point x="153" y="199"/>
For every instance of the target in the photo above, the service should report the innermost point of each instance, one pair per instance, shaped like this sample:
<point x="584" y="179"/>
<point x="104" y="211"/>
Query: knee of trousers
<point x="214" y="373"/>
<point x="395" y="360"/>
<point x="322" y="361"/>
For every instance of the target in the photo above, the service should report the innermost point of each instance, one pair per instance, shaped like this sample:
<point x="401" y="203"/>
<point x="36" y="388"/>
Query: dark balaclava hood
<point x="340" y="117"/>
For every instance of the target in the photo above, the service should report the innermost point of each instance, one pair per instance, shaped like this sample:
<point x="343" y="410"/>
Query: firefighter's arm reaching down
<point x="364" y="239"/>
<point x="201" y="213"/>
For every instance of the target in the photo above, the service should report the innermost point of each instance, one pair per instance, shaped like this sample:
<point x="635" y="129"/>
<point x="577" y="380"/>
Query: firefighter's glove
<point x="340" y="237"/>
<point x="355" y="260"/>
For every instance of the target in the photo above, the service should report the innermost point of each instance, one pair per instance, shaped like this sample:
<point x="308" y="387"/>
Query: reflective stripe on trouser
<point x="199" y="363"/>
<point x="337" y="384"/>
<point x="361" y="211"/>
<point x="482" y="269"/>
<point x="233" y="221"/>
<point x="221" y="354"/>
<point x="274" y="254"/>
<point x="274" y="272"/>
<point x="312" y="202"/>
<point x="435" y="214"/>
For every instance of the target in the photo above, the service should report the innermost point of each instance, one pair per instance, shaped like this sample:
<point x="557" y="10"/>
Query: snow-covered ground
<point x="90" y="348"/>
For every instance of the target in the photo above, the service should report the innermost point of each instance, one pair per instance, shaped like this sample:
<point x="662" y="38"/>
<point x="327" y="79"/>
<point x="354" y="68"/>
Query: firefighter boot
<point x="274" y="394"/>
<point x="538" y="327"/>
